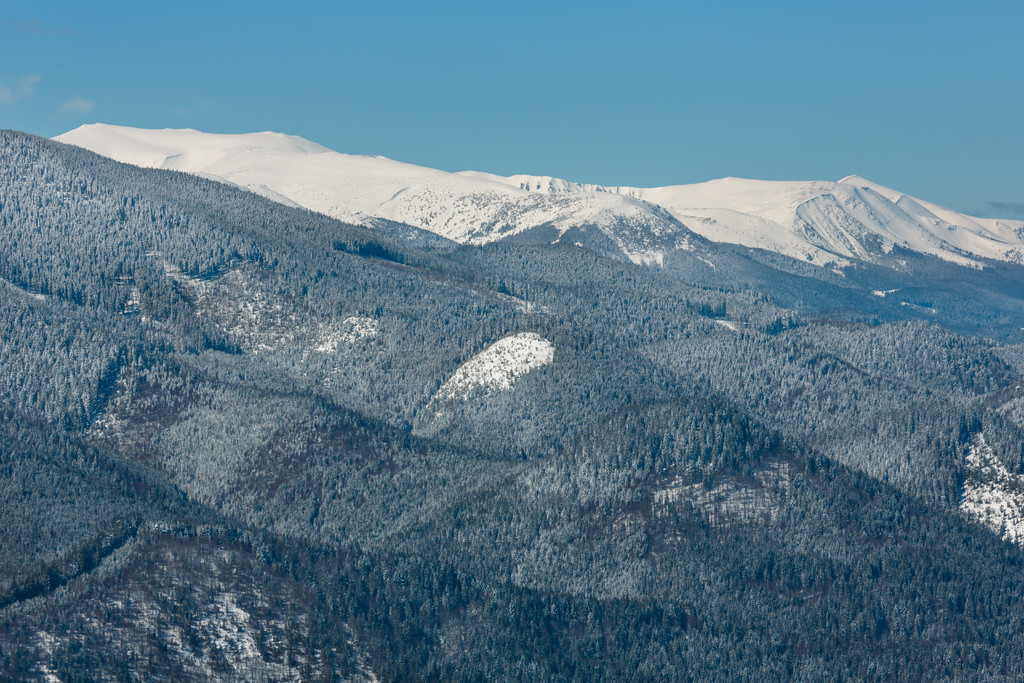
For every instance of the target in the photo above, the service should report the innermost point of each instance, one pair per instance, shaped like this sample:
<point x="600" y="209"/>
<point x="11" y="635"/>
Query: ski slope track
<point x="825" y="223"/>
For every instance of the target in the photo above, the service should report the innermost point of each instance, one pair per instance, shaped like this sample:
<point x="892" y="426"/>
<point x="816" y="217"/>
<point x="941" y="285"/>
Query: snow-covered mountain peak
<point x="862" y="182"/>
<point x="182" y="149"/>
<point x="819" y="221"/>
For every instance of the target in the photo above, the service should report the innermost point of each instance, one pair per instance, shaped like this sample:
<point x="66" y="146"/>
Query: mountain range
<point x="824" y="223"/>
<point x="270" y="412"/>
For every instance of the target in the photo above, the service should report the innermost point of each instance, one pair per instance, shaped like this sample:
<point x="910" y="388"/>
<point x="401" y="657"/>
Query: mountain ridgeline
<point x="824" y="223"/>
<point x="246" y="440"/>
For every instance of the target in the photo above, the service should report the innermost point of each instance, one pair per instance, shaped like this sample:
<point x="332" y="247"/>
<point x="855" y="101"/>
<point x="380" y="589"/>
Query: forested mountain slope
<point x="245" y="440"/>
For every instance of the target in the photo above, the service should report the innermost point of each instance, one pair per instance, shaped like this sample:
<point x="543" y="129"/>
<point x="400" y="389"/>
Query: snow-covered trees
<point x="201" y="388"/>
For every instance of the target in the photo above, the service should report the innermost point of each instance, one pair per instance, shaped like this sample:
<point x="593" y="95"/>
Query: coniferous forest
<point x="242" y="441"/>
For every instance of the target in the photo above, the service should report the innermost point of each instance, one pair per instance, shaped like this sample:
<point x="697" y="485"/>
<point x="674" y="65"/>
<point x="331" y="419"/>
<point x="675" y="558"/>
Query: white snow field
<point x="497" y="367"/>
<point x="992" y="494"/>
<point x="817" y="221"/>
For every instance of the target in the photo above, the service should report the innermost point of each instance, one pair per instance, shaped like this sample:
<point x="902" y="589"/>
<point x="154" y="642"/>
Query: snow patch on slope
<point x="21" y="291"/>
<point x="497" y="367"/>
<point x="731" y="499"/>
<point x="260" y="319"/>
<point x="730" y="324"/>
<point x="647" y="258"/>
<point x="992" y="494"/>
<point x="351" y="330"/>
<point x="228" y="628"/>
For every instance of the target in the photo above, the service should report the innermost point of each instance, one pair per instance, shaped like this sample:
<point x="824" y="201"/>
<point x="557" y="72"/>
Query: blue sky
<point x="924" y="97"/>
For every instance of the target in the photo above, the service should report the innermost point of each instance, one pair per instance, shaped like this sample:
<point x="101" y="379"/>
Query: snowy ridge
<point x="992" y="494"/>
<point x="471" y="208"/>
<point x="850" y="218"/>
<point x="496" y="368"/>
<point x="820" y="222"/>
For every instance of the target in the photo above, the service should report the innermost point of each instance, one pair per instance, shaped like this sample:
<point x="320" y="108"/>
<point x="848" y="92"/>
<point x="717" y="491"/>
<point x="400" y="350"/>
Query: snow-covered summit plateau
<point x="818" y="221"/>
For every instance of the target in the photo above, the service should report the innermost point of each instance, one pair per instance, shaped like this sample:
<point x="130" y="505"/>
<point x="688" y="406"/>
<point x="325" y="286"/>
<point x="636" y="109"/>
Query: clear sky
<point x="926" y="97"/>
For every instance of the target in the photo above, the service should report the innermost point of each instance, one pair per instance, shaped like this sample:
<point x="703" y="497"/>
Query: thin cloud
<point x="1012" y="208"/>
<point x="76" y="107"/>
<point x="25" y="88"/>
